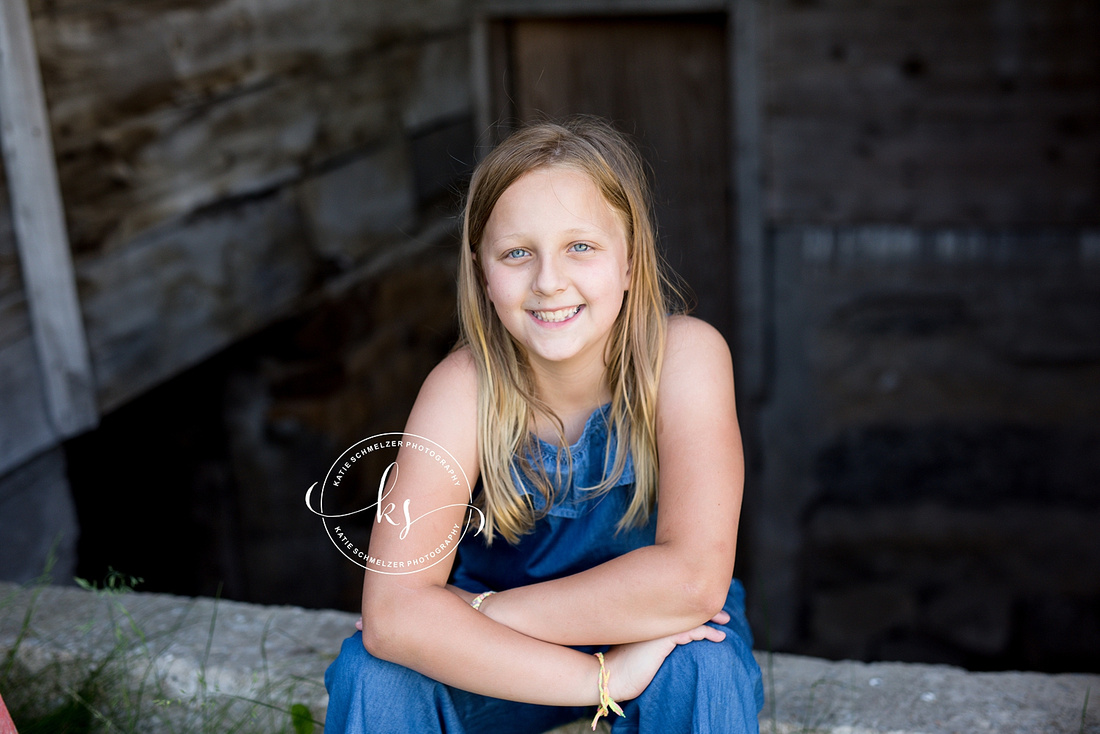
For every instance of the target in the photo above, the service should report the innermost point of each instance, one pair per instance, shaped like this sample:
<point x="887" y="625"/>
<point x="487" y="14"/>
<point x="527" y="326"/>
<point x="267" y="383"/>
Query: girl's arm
<point x="412" y="619"/>
<point x="682" y="580"/>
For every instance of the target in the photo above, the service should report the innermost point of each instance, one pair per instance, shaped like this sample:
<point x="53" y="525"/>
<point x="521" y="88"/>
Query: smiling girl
<point x="603" y="437"/>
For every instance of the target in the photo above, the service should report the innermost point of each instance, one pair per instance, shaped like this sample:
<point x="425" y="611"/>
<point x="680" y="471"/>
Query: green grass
<point x="128" y="689"/>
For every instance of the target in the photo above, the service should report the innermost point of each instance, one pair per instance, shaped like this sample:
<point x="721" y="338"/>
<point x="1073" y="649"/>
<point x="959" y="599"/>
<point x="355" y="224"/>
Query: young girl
<point x="603" y="436"/>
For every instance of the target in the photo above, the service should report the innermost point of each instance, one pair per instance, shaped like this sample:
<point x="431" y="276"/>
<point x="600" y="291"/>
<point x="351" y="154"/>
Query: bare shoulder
<point x="697" y="374"/>
<point x="454" y="379"/>
<point x="694" y="347"/>
<point x="457" y="371"/>
<point x="447" y="402"/>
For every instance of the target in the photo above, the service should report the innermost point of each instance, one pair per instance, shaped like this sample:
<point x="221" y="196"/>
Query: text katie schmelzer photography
<point x="387" y="446"/>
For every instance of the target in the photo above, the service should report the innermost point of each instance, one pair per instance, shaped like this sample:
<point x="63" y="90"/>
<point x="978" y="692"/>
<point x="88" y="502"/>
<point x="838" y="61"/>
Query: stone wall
<point x="928" y="446"/>
<point x="227" y="166"/>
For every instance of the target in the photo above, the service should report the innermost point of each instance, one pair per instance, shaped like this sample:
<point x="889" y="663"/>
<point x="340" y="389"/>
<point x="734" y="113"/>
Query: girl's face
<point x="554" y="257"/>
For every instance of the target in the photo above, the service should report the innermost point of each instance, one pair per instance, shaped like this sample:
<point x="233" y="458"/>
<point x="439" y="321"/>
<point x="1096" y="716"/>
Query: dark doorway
<point x="664" y="81"/>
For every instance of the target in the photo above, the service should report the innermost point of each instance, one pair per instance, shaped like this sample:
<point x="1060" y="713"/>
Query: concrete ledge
<point x="181" y="664"/>
<point x="813" y="695"/>
<point x="199" y="662"/>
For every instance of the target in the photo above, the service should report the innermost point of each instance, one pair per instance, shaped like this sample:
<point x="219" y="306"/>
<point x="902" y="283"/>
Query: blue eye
<point x="515" y="254"/>
<point x="581" y="247"/>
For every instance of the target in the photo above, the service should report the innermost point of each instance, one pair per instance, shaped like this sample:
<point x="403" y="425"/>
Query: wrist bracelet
<point x="606" y="701"/>
<point x="476" y="603"/>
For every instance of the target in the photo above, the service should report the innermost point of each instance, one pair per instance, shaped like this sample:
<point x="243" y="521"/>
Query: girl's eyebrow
<point x="584" y="232"/>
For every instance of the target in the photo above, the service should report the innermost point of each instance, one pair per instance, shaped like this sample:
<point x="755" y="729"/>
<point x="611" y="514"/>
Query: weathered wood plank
<point x="40" y="229"/>
<point x="160" y="111"/>
<point x="24" y="427"/>
<point x="11" y="279"/>
<point x="543" y="8"/>
<point x="935" y="113"/>
<point x="213" y="154"/>
<point x="197" y="288"/>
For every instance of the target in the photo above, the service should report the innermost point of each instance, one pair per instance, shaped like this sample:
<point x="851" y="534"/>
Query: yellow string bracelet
<point x="606" y="701"/>
<point x="476" y="603"/>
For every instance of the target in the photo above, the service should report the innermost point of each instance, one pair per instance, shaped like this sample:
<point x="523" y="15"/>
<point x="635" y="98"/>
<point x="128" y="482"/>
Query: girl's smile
<point x="556" y="267"/>
<point x="556" y="317"/>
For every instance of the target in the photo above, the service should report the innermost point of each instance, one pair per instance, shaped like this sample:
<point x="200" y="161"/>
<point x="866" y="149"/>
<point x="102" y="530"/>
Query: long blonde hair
<point x="507" y="397"/>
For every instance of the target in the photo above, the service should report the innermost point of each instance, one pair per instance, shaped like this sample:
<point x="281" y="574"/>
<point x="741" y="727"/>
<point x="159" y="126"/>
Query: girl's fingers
<point x="714" y="635"/>
<point x="702" y="632"/>
<point x="721" y="618"/>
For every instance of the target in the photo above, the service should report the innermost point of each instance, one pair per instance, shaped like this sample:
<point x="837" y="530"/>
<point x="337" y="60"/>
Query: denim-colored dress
<point x="701" y="687"/>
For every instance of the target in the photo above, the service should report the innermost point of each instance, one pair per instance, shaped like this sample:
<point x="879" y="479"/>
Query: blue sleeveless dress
<point x="702" y="687"/>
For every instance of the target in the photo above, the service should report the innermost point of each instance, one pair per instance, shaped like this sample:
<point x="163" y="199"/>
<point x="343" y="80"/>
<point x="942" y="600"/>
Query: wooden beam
<point x="39" y="224"/>
<point x="550" y="8"/>
<point x="749" y="248"/>
<point x="480" y="69"/>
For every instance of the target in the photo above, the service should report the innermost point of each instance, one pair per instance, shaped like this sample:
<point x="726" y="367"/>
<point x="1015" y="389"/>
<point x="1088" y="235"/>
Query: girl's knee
<point x="714" y="666"/>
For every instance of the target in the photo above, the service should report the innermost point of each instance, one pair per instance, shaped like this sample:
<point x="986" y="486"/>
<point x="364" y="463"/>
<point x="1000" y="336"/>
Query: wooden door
<point x="664" y="81"/>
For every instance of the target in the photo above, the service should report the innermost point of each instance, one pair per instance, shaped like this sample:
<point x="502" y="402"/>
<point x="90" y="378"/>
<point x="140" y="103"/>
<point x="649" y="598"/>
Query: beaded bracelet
<point x="476" y="603"/>
<point x="606" y="701"/>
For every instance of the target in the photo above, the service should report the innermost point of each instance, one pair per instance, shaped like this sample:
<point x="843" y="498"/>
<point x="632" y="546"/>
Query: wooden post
<point x="40" y="233"/>
<point x="751" y="266"/>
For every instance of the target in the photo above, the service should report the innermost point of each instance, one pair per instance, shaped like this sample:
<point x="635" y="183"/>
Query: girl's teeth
<point x="555" y="316"/>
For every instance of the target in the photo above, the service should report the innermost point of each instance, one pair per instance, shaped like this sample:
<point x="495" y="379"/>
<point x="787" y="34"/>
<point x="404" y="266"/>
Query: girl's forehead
<point x="553" y="201"/>
<point x="556" y="171"/>
<point x="572" y="186"/>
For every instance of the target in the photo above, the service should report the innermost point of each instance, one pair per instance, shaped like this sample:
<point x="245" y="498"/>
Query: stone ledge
<point x="183" y="664"/>
<point x="201" y="655"/>
<point x="814" y="695"/>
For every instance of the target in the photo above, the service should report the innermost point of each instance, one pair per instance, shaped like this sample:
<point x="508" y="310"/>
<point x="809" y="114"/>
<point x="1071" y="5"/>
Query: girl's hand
<point x="632" y="666"/>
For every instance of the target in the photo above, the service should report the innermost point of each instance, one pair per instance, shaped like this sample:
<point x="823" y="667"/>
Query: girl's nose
<point x="550" y="277"/>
